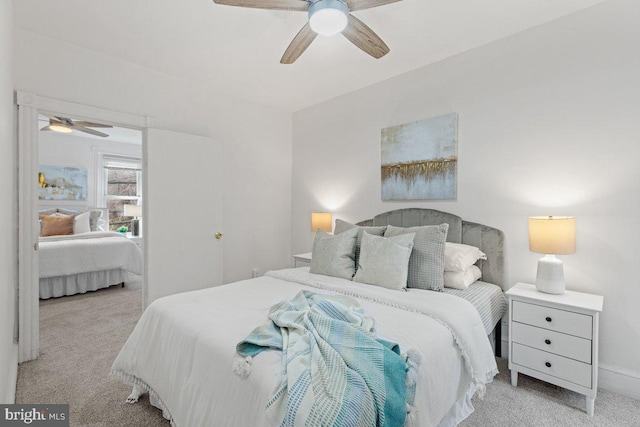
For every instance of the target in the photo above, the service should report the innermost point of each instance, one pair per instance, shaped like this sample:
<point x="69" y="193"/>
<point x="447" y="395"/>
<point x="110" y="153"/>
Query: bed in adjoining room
<point x="384" y="344"/>
<point x="76" y="255"/>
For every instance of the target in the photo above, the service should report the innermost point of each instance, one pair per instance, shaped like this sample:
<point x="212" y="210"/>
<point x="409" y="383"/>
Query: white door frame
<point x="29" y="106"/>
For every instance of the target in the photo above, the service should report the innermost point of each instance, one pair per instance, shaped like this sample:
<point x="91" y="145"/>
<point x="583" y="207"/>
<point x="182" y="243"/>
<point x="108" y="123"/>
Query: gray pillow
<point x="342" y="226"/>
<point x="334" y="255"/>
<point x="384" y="261"/>
<point x="426" y="265"/>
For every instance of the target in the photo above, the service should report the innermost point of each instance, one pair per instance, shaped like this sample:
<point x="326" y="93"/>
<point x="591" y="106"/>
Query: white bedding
<point x="88" y="252"/>
<point x="183" y="349"/>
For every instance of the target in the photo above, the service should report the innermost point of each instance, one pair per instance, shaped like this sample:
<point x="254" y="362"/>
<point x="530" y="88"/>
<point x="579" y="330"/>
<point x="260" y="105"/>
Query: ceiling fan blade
<point x="364" y="37"/>
<point x="90" y="124"/>
<point x="299" y="5"/>
<point x="367" y="4"/>
<point x="298" y="45"/>
<point x="90" y="131"/>
<point x="46" y="128"/>
<point x="56" y="119"/>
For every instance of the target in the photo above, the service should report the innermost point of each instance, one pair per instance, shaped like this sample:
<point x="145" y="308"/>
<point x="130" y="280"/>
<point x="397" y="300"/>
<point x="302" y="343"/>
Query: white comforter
<point x="87" y="252"/>
<point x="183" y="348"/>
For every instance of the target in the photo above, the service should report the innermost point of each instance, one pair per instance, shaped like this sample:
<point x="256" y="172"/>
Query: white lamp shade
<point x="552" y="235"/>
<point x="322" y="221"/>
<point x="132" y="210"/>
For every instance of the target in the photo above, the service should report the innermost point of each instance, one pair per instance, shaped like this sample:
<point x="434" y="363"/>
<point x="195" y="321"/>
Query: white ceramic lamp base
<point x="550" y="277"/>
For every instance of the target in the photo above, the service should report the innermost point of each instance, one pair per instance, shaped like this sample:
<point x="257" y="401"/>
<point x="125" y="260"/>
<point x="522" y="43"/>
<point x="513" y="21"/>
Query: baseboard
<point x="10" y="394"/>
<point x="619" y="381"/>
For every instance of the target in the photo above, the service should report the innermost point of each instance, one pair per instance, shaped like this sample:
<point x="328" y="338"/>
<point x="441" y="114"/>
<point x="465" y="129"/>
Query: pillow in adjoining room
<point x="334" y="255"/>
<point x="56" y="225"/>
<point x="342" y="226"/>
<point x="458" y="257"/>
<point x="81" y="223"/>
<point x="384" y="261"/>
<point x="426" y="265"/>
<point x="94" y="219"/>
<point x="462" y="279"/>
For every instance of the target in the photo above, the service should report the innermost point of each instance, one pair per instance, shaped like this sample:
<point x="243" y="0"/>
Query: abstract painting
<point x="420" y="159"/>
<point x="62" y="183"/>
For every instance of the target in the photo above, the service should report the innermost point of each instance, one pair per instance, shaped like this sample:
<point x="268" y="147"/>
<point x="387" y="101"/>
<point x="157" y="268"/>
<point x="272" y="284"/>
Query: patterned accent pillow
<point x="334" y="255"/>
<point x="384" y="261"/>
<point x="342" y="226"/>
<point x="426" y="265"/>
<point x="56" y="225"/>
<point x="94" y="219"/>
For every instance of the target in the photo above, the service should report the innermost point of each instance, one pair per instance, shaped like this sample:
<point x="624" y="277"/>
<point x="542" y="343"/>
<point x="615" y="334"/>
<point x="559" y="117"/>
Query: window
<point x="122" y="185"/>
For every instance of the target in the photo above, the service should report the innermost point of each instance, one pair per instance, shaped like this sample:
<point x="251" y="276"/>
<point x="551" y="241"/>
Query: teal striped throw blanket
<point x="335" y="372"/>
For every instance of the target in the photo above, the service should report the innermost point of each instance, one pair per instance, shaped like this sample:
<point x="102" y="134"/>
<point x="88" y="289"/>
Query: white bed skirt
<point x="53" y="287"/>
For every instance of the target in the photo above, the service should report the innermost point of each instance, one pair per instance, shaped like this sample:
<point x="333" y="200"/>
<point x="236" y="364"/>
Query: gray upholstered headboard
<point x="490" y="240"/>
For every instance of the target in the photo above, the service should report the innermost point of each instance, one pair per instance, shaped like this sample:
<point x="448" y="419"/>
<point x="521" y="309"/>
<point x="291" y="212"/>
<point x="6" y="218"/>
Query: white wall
<point x="58" y="149"/>
<point x="8" y="231"/>
<point x="256" y="139"/>
<point x="548" y="125"/>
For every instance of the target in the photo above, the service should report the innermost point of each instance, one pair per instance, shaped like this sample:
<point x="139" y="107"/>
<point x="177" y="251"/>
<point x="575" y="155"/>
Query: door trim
<point x="29" y="106"/>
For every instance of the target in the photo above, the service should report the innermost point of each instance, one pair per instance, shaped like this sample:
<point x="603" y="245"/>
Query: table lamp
<point x="551" y="235"/>
<point x="321" y="221"/>
<point x="136" y="212"/>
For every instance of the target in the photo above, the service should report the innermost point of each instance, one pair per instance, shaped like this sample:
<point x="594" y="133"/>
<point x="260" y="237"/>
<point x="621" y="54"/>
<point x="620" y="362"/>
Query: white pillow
<point x="458" y="257"/>
<point x="384" y="261"/>
<point x="81" y="223"/>
<point x="461" y="279"/>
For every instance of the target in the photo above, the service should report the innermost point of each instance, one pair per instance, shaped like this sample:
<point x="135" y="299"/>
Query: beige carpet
<point x="81" y="336"/>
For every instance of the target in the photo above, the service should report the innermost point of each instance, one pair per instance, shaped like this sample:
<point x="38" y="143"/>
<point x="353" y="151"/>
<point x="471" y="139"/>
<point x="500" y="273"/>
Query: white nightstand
<point x="555" y="338"/>
<point x="302" y="260"/>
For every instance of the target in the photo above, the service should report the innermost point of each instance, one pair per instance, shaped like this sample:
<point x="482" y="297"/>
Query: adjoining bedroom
<point x="89" y="206"/>
<point x="341" y="213"/>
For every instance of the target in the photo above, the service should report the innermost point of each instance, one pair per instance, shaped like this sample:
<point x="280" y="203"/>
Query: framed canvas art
<point x="62" y="183"/>
<point x="420" y="159"/>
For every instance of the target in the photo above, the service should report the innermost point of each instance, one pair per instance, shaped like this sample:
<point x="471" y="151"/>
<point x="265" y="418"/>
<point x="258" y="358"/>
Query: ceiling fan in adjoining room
<point x="326" y="17"/>
<point x="64" y="125"/>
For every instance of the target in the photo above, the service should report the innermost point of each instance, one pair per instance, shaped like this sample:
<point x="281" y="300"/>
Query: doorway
<point x="31" y="108"/>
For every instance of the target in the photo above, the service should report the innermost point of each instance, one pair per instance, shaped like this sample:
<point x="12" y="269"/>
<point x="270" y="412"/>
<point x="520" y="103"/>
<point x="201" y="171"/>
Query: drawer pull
<point x="548" y="342"/>
<point x="547" y="364"/>
<point x="548" y="319"/>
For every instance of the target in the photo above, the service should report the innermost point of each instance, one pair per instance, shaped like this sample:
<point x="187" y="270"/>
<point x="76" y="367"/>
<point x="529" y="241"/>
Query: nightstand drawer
<point x="552" y="342"/>
<point x="554" y="319"/>
<point x="551" y="364"/>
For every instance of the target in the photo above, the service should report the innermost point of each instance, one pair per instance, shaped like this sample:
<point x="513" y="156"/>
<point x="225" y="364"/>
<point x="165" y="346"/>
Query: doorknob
<point x="218" y="235"/>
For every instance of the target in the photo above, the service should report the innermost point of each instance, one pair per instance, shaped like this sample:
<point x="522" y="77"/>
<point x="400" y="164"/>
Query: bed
<point x="183" y="350"/>
<point x="487" y="297"/>
<point x="87" y="261"/>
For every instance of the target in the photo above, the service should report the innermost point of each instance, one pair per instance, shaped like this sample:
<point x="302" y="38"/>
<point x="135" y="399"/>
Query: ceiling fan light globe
<point x="60" y="128"/>
<point x="328" y="17"/>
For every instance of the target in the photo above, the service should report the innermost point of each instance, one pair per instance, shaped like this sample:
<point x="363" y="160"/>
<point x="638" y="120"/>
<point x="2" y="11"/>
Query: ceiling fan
<point x="64" y="125"/>
<point x="326" y="17"/>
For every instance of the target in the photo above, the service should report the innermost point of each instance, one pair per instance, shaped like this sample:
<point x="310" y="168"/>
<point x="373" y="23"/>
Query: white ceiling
<point x="236" y="51"/>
